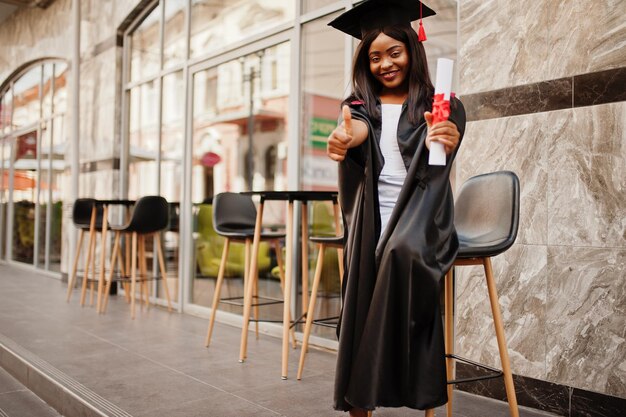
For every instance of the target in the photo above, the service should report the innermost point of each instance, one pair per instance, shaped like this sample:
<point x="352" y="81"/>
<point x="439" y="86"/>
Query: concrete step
<point x="18" y="401"/>
<point x="45" y="388"/>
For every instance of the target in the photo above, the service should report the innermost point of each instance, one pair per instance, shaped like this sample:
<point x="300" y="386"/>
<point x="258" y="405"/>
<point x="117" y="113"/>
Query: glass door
<point x="239" y="143"/>
<point x="32" y="116"/>
<point x="23" y="183"/>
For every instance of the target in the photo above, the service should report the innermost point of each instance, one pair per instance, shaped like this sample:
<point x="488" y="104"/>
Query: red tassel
<point x="421" y="34"/>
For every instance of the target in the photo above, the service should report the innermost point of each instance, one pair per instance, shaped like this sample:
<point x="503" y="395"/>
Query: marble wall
<point x="562" y="285"/>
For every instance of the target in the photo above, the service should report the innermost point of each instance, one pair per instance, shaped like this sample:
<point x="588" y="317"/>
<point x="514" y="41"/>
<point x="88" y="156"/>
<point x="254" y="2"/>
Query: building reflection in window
<point x="323" y="90"/>
<point x="33" y="164"/>
<point x="144" y="48"/>
<point x="143" y="140"/>
<point x="215" y="24"/>
<point x="310" y="5"/>
<point x="174" y="37"/>
<point x="239" y="103"/>
<point x="171" y="170"/>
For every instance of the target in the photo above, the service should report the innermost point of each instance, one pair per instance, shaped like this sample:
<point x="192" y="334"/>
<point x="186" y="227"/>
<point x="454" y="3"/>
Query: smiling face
<point x="389" y="63"/>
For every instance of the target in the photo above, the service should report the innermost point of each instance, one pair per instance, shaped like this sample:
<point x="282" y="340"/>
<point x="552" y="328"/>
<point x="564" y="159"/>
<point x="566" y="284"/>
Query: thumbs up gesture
<point x="340" y="139"/>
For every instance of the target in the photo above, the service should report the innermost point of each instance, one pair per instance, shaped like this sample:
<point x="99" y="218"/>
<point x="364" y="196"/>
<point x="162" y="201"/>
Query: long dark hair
<point x="365" y="87"/>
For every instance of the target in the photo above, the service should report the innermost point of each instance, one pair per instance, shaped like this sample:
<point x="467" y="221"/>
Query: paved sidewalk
<point x="157" y="365"/>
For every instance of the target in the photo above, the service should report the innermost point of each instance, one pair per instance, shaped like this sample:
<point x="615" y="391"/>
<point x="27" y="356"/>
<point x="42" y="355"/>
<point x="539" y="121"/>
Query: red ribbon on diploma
<point x="441" y="109"/>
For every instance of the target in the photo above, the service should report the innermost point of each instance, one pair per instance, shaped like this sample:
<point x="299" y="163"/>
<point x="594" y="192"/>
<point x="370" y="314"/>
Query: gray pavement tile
<point x="220" y="405"/>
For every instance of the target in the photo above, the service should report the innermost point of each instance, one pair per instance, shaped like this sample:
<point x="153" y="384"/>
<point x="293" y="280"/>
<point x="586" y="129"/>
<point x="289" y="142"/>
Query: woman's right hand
<point x="340" y="138"/>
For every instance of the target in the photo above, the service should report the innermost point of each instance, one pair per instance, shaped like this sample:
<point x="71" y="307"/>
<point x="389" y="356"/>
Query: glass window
<point x="323" y="90"/>
<point x="3" y="112"/>
<point x="172" y="147"/>
<point x="40" y="106"/>
<point x="24" y="185"/>
<point x="228" y="100"/>
<point x="5" y="160"/>
<point x="310" y="5"/>
<point x="57" y="194"/>
<point x="218" y="23"/>
<point x="145" y="47"/>
<point x="26" y="102"/>
<point x="174" y="43"/>
<point x="143" y="140"/>
<point x="4" y="192"/>
<point x="44" y="184"/>
<point x="61" y="73"/>
<point x="46" y="102"/>
<point x="7" y="114"/>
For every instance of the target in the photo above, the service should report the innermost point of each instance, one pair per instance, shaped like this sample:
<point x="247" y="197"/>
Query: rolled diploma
<point x="443" y="85"/>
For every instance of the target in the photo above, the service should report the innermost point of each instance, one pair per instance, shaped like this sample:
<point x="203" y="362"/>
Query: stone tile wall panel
<point x="586" y="318"/>
<point x="520" y="275"/>
<point x="502" y="43"/>
<point x="509" y="43"/>
<point x="585" y="36"/>
<point x="587" y="177"/>
<point x="571" y="168"/>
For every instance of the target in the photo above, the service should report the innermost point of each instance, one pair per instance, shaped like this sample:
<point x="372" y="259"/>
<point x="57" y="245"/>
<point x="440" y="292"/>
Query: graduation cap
<point x="376" y="14"/>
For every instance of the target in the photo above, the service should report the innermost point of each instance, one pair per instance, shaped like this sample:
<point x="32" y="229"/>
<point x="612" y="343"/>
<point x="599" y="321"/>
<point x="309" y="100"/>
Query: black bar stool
<point x="150" y="216"/>
<point x="86" y="220"/>
<point x="234" y="218"/>
<point x="486" y="220"/>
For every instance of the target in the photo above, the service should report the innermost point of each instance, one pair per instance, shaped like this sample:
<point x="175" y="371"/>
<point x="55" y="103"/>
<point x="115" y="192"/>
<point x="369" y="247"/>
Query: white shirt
<point x="394" y="172"/>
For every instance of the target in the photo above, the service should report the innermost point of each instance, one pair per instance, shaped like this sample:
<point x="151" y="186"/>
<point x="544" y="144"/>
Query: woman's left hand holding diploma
<point x="445" y="133"/>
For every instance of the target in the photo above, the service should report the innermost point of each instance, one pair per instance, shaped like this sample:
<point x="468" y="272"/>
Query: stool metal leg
<point x="248" y="288"/>
<point x="115" y="255"/>
<point x="103" y="252"/>
<point x="143" y="272"/>
<point x="502" y="346"/>
<point x="133" y="274"/>
<point x="281" y="275"/>
<point x="287" y="293"/>
<point x="449" y="339"/>
<point x="255" y="282"/>
<point x="93" y="274"/>
<point x="305" y="257"/>
<point x="311" y="309"/>
<point x="72" y="280"/>
<point x="218" y="290"/>
<point x="338" y="232"/>
<point x="166" y="289"/>
<point x="90" y="252"/>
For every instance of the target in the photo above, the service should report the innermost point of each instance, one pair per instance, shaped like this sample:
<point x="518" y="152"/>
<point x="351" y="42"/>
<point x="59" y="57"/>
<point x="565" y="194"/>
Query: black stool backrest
<point x="233" y="212"/>
<point x="150" y="214"/>
<point x="81" y="212"/>
<point x="486" y="213"/>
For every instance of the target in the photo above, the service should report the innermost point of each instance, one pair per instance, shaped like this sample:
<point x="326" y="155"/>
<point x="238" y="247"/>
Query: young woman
<point x="398" y="216"/>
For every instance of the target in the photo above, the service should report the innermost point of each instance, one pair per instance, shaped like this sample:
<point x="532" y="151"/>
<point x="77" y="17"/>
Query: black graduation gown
<point x="391" y="346"/>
